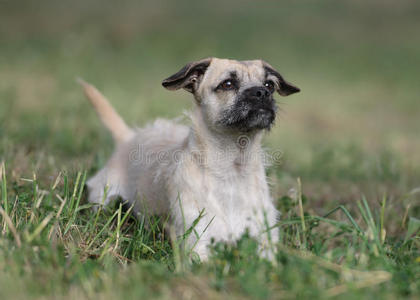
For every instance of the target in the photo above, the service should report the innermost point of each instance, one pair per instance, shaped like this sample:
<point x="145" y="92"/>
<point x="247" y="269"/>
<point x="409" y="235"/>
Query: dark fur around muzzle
<point x="254" y="109"/>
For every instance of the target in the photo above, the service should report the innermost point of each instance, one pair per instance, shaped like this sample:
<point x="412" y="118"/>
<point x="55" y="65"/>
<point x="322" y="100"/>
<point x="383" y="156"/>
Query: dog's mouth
<point x="261" y="118"/>
<point x="247" y="116"/>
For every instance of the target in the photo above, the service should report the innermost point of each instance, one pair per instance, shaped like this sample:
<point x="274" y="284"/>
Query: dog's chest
<point x="236" y="204"/>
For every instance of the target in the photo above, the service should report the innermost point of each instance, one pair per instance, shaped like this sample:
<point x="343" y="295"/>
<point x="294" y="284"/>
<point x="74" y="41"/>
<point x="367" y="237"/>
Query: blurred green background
<point x="354" y="129"/>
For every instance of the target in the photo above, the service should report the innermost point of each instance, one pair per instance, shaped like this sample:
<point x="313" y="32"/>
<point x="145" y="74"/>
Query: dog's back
<point x="137" y="170"/>
<point x="143" y="158"/>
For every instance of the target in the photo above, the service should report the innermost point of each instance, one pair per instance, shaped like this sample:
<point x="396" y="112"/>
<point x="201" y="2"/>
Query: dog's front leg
<point x="192" y="228"/>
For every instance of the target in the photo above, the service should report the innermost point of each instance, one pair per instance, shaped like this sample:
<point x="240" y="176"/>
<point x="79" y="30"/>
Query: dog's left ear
<point x="188" y="77"/>
<point x="284" y="88"/>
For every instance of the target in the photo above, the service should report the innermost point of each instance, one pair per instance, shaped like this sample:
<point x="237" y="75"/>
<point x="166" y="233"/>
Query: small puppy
<point x="210" y="176"/>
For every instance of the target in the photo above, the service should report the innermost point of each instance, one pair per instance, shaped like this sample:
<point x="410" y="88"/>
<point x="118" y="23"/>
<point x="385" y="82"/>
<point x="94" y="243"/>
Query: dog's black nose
<point x="258" y="92"/>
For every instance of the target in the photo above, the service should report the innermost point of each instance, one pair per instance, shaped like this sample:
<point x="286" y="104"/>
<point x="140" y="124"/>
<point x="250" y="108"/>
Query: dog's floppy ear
<point x="188" y="77"/>
<point x="284" y="88"/>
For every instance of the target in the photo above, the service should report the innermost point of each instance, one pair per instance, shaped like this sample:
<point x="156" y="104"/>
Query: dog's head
<point x="233" y="95"/>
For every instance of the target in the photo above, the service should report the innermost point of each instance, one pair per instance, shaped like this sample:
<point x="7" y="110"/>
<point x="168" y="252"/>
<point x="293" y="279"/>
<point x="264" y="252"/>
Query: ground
<point x="347" y="181"/>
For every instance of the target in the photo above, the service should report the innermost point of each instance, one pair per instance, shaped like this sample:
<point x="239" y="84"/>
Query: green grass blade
<point x="4" y="198"/>
<point x="348" y="215"/>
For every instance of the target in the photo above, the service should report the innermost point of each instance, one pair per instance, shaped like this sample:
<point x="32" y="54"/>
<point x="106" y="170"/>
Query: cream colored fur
<point x="168" y="168"/>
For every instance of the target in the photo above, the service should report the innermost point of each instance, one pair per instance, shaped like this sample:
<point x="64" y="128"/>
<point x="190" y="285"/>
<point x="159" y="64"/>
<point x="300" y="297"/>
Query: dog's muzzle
<point x="254" y="109"/>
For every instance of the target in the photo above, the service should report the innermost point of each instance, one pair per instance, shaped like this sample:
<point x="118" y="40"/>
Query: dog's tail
<point x="115" y="124"/>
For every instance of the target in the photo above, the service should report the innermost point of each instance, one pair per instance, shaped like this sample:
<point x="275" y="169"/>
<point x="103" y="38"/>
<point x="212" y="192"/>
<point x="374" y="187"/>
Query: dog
<point x="208" y="178"/>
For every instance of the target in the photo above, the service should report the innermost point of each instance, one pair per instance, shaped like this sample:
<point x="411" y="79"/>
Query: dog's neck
<point x="222" y="150"/>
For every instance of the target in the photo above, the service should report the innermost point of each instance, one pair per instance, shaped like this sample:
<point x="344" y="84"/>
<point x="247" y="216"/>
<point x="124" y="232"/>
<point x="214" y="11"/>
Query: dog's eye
<point x="227" y="85"/>
<point x="269" y="85"/>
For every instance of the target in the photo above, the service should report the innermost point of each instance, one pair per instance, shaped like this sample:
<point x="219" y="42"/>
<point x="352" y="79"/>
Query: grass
<point x="53" y="246"/>
<point x="347" y="183"/>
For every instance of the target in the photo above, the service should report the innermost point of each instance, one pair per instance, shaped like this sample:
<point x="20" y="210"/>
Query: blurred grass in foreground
<point x="53" y="247"/>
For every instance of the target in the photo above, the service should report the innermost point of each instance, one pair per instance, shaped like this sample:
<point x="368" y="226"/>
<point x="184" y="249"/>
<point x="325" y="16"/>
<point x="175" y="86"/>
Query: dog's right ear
<point x="188" y="77"/>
